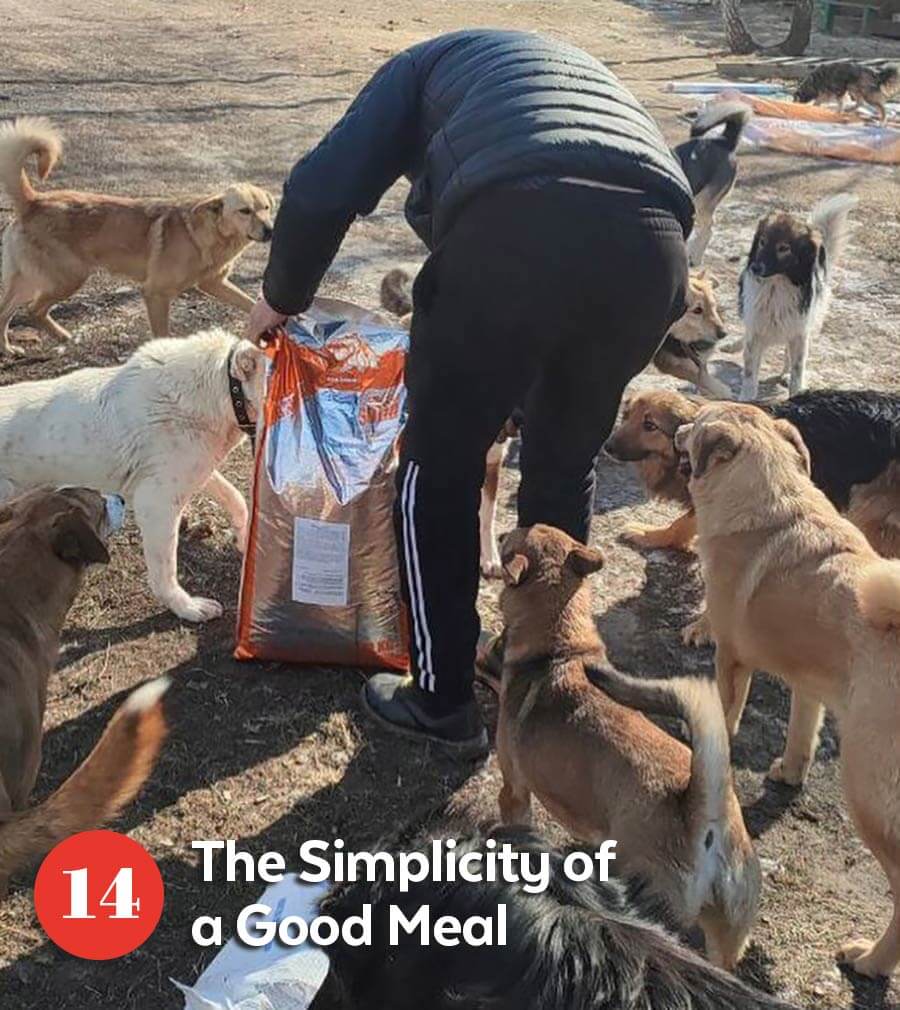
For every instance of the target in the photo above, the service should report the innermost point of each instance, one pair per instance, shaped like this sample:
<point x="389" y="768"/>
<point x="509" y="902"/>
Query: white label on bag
<point x="321" y="562"/>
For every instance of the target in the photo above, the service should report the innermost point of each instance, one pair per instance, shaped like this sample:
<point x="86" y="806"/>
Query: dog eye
<point x="783" y="248"/>
<point x="649" y="425"/>
<point x="246" y="210"/>
<point x="697" y="310"/>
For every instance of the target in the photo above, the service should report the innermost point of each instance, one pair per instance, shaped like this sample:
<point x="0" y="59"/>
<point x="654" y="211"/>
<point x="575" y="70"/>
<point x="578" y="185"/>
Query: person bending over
<point x="555" y="217"/>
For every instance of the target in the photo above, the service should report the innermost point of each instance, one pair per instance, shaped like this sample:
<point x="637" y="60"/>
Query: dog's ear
<point x="247" y="359"/>
<point x="75" y="542"/>
<point x="584" y="561"/>
<point x="515" y="570"/>
<point x="790" y="434"/>
<point x="213" y="204"/>
<point x="718" y="444"/>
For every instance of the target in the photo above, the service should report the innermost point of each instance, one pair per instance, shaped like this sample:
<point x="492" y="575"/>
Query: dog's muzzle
<point x="115" y="511"/>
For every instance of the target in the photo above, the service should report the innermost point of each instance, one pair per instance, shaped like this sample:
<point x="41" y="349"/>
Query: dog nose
<point x="267" y="233"/>
<point x="721" y="333"/>
<point x="756" y="269"/>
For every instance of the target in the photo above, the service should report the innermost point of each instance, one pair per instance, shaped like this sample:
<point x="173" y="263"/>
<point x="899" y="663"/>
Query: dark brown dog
<point x="47" y="540"/>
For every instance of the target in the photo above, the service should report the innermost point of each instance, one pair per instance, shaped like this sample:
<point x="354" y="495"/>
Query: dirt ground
<point x="181" y="97"/>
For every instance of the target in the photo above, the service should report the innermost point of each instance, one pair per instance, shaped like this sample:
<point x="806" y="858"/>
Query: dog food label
<point x="321" y="562"/>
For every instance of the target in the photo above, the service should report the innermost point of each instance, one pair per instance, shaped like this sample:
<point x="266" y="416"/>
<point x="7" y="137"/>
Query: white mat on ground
<point x="273" y="977"/>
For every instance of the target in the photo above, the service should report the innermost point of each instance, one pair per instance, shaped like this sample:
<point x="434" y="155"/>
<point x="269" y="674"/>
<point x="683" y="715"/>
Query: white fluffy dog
<point x="153" y="430"/>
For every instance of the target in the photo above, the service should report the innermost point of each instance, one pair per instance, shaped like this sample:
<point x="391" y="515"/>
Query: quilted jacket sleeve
<point x="344" y="176"/>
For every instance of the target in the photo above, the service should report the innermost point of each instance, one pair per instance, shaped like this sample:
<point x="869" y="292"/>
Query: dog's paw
<point x="857" y="955"/>
<point x="13" y="350"/>
<point x="788" y="772"/>
<point x="697" y="633"/>
<point x="198" y="609"/>
<point x="639" y="534"/>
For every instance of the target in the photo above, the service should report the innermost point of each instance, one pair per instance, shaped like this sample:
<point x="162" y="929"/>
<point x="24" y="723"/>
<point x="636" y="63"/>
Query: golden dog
<point x="603" y="770"/>
<point x="795" y="589"/>
<point x="59" y="238"/>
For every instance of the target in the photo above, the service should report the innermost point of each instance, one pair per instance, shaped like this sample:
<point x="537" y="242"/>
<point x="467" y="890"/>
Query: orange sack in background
<point x="320" y="583"/>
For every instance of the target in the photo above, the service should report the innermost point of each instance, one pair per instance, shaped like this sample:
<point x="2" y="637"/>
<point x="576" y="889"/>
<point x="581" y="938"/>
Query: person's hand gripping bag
<point x="320" y="583"/>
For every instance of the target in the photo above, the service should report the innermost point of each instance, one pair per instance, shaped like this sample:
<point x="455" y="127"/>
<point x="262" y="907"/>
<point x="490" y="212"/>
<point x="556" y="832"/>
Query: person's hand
<point x="262" y="319"/>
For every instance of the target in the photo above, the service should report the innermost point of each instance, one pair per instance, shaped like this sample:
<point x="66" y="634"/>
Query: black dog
<point x="853" y="437"/>
<point x="710" y="164"/>
<point x="576" y="946"/>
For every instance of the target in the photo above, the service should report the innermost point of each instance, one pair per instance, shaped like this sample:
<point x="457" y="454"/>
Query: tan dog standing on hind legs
<point x="795" y="589"/>
<point x="605" y="771"/>
<point x="60" y="237"/>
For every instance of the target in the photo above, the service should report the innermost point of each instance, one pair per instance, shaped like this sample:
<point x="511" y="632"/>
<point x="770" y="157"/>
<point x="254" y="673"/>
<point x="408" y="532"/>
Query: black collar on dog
<point x="239" y="401"/>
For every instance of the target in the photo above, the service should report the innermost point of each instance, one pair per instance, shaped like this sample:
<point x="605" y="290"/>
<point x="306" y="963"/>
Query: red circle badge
<point x="98" y="895"/>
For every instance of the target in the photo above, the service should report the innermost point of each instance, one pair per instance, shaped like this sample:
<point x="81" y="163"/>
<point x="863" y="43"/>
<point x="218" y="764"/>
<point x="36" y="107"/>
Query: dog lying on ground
<point x="47" y="540"/>
<point x="59" y="238"/>
<point x="710" y="164"/>
<point x="836" y="81"/>
<point x="794" y="588"/>
<point x="575" y="945"/>
<point x="785" y="287"/>
<point x="604" y="770"/>
<point x="853" y="438"/>
<point x="154" y="430"/>
<point x="688" y="345"/>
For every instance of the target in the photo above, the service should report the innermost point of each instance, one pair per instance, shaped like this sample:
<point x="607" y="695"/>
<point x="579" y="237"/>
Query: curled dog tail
<point x="697" y="702"/>
<point x="879" y="595"/>
<point x="96" y="791"/>
<point x="396" y="292"/>
<point x="734" y="115"/>
<point x="829" y="216"/>
<point x="20" y="140"/>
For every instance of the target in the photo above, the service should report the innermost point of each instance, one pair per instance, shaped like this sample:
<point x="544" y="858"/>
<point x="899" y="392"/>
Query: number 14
<point x="121" y="889"/>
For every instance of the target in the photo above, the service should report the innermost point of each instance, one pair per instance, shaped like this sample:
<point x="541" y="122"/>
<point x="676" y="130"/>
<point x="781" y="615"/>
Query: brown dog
<point x="59" y="238"/>
<point x="47" y="539"/>
<point x="795" y="589"/>
<point x="605" y="771"/>
<point x="691" y="339"/>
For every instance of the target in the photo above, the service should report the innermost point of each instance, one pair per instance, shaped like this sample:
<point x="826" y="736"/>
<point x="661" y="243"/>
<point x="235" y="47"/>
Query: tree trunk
<point x="801" y="25"/>
<point x="738" y="38"/>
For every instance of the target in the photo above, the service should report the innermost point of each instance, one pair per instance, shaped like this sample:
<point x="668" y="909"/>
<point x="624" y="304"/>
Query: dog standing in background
<point x="836" y="81"/>
<point x="710" y="164"/>
<point x="60" y="237"/>
<point x="785" y="287"/>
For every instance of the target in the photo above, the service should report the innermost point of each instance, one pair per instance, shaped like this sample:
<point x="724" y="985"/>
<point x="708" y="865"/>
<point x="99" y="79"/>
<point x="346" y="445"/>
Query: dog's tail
<point x="887" y="77"/>
<point x="396" y="292"/>
<point x="734" y="115"/>
<point x="20" y="140"/>
<point x="109" y="777"/>
<point x="879" y="595"/>
<point x="697" y="702"/>
<point x="829" y="216"/>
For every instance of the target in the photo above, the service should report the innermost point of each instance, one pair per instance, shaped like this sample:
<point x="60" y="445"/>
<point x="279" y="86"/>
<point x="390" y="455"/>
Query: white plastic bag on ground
<point x="273" y="977"/>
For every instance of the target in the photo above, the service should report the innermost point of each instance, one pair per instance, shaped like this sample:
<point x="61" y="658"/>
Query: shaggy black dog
<point x="852" y="436"/>
<point x="576" y="946"/>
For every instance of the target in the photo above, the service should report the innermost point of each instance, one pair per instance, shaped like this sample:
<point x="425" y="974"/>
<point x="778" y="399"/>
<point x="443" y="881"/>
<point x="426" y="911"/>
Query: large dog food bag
<point x="320" y="582"/>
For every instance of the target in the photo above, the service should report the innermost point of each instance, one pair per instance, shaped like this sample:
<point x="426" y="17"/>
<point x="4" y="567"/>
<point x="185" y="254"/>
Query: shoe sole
<point x="474" y="747"/>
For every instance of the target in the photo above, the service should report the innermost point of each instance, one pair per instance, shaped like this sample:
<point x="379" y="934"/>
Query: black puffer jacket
<point x="457" y="114"/>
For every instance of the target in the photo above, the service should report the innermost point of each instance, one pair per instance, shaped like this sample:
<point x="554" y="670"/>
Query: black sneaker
<point x="394" y="702"/>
